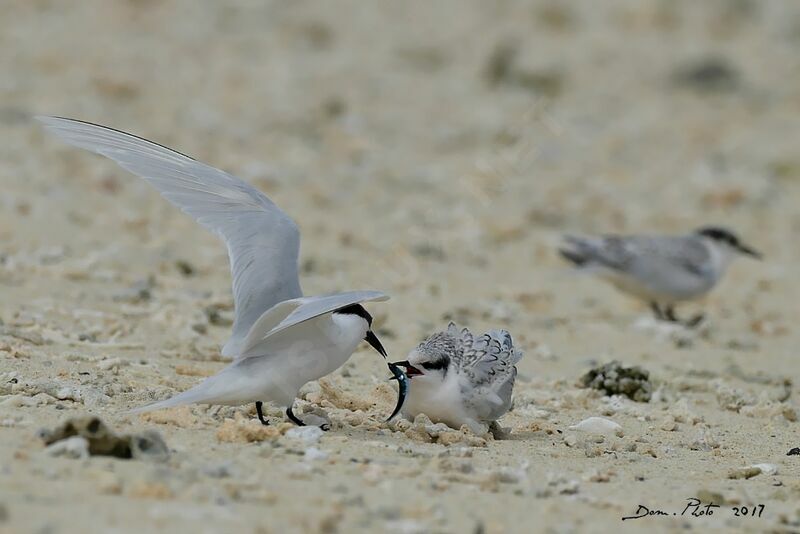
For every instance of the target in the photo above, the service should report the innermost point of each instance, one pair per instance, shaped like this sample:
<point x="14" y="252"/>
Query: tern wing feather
<point x="266" y="323"/>
<point x="296" y="311"/>
<point x="488" y="360"/>
<point x="683" y="254"/>
<point x="692" y="255"/>
<point x="263" y="242"/>
<point x="635" y="253"/>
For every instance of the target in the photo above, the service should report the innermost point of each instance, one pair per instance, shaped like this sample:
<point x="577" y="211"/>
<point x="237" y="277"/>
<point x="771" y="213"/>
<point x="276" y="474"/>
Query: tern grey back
<point x="674" y="267"/>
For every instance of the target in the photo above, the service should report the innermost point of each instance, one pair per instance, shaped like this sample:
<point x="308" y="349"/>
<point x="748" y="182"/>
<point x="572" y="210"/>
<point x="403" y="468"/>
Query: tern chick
<point x="459" y="379"/>
<point x="661" y="270"/>
<point x="280" y="339"/>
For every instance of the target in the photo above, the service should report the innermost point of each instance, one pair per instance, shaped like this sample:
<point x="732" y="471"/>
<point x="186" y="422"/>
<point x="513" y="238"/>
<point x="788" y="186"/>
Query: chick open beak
<point x="411" y="371"/>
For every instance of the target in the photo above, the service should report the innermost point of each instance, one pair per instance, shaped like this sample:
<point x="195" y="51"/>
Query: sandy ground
<point x="436" y="152"/>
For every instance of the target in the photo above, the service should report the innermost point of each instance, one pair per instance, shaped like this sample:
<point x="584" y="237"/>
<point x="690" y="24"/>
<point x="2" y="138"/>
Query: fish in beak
<point x="402" y="382"/>
<point x="397" y="373"/>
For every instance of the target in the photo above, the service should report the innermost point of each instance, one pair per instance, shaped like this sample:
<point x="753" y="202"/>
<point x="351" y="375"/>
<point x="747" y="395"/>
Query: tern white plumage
<point x="662" y="270"/>
<point x="459" y="379"/>
<point x="280" y="339"/>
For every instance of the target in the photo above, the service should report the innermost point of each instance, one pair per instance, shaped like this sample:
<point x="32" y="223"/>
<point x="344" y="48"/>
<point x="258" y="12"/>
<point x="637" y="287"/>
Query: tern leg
<point x="696" y="320"/>
<point x="689" y="323"/>
<point x="261" y="418"/>
<point x="657" y="310"/>
<point x="293" y="418"/>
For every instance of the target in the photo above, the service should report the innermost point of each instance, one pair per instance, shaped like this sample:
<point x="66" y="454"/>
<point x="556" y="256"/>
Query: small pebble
<point x="669" y="424"/>
<point x="111" y="364"/>
<point x="219" y="471"/>
<point x="745" y="472"/>
<point x="313" y="453"/>
<point x="767" y="469"/>
<point x="68" y="393"/>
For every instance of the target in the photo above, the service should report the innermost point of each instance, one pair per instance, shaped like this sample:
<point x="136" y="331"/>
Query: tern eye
<point x="433" y="366"/>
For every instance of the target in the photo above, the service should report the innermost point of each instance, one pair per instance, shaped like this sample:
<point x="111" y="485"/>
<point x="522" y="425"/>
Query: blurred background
<point x="434" y="150"/>
<point x="437" y="151"/>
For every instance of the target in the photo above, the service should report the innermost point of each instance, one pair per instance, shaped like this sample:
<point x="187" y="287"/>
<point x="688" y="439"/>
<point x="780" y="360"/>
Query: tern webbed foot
<point x="299" y="422"/>
<point x="694" y="322"/>
<point x="669" y="313"/>
<point x="260" y="413"/>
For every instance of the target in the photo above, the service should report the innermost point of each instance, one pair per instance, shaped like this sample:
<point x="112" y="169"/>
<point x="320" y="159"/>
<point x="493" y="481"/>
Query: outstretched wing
<point x="295" y="311"/>
<point x="263" y="242"/>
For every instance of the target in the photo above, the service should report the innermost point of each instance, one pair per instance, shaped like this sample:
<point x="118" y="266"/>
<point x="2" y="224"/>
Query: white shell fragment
<point x="313" y="453"/>
<point x="598" y="425"/>
<point x="76" y="447"/>
<point x="766" y="469"/>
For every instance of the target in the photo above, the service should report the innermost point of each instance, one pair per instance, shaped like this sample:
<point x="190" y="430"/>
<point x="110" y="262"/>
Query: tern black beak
<point x="372" y="339"/>
<point x="411" y="371"/>
<point x="744" y="249"/>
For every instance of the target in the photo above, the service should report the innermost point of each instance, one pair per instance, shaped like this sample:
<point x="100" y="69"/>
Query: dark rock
<point x="615" y="379"/>
<point x="710" y="75"/>
<point x="215" y="316"/>
<point x="185" y="268"/>
<point x="500" y="62"/>
<point x="141" y="291"/>
<point x="502" y="70"/>
<point x="104" y="442"/>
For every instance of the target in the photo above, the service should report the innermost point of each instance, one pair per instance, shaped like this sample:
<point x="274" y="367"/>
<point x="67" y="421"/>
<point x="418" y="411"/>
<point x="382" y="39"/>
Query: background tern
<point x="280" y="339"/>
<point x="661" y="270"/>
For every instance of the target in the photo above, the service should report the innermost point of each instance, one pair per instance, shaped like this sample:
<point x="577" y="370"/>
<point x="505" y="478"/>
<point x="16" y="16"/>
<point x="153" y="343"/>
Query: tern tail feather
<point x="200" y="394"/>
<point x="592" y="254"/>
<point x="226" y="387"/>
<point x="577" y="250"/>
<point x="573" y="257"/>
